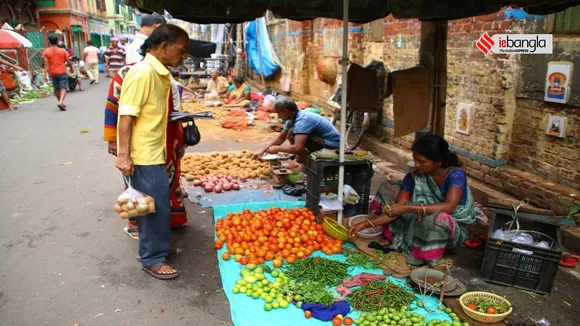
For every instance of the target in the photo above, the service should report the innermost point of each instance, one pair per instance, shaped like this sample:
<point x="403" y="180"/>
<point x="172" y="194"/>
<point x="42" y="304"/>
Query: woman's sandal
<point x="155" y="271"/>
<point x="569" y="260"/>
<point x="172" y="252"/>
<point x="384" y="247"/>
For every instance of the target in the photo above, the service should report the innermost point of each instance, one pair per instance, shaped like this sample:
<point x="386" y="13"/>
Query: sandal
<point x="155" y="271"/>
<point x="132" y="232"/>
<point x="384" y="247"/>
<point x="569" y="260"/>
<point x="172" y="252"/>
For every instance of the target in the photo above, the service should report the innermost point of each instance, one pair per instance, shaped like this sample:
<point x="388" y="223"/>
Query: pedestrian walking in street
<point x="91" y="57"/>
<point x="114" y="58"/>
<point x="142" y="134"/>
<point x="148" y="24"/>
<point x="174" y="146"/>
<point x="54" y="59"/>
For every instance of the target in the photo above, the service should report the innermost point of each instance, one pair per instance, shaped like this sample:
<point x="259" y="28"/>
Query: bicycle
<point x="358" y="121"/>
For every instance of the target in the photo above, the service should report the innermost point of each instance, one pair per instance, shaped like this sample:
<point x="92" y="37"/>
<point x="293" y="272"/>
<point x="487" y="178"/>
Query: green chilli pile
<point x="325" y="271"/>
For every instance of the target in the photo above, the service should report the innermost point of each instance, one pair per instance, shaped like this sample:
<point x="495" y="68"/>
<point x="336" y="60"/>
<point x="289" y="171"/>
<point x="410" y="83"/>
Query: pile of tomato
<point x="274" y="234"/>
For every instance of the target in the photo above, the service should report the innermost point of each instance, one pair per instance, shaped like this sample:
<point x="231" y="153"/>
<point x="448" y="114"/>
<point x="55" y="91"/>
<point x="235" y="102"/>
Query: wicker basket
<point x="334" y="229"/>
<point x="367" y="233"/>
<point x="469" y="297"/>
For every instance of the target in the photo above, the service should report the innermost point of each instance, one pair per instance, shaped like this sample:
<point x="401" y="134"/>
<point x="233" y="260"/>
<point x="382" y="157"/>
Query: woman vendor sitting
<point x="432" y="208"/>
<point x="238" y="92"/>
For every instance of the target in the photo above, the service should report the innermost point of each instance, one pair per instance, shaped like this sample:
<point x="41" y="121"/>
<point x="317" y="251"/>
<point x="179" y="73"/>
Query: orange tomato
<point x="237" y="258"/>
<point x="291" y="259"/>
<point x="277" y="263"/>
<point x="226" y="256"/>
<point x="244" y="261"/>
<point x="300" y="255"/>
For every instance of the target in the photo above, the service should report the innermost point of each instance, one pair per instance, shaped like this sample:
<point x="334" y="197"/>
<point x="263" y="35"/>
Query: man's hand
<point x="113" y="148"/>
<point x="258" y="155"/>
<point x="125" y="164"/>
<point x="274" y="149"/>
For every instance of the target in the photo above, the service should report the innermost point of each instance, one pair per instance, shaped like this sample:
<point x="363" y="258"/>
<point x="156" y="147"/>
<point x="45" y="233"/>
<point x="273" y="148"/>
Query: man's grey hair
<point x="284" y="102"/>
<point x="124" y="38"/>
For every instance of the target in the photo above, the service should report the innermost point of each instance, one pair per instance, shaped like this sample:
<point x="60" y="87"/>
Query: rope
<point x="511" y="234"/>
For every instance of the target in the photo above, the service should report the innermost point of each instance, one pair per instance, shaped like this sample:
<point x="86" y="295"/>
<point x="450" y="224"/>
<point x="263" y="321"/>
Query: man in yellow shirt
<point x="141" y="133"/>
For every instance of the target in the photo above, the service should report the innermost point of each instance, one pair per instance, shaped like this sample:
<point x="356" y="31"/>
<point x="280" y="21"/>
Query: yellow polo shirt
<point x="144" y="95"/>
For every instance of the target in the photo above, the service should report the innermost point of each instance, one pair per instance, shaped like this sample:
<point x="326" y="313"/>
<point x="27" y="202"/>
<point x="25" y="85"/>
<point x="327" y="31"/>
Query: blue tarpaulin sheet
<point x="250" y="312"/>
<point x="253" y="36"/>
<point x="245" y="195"/>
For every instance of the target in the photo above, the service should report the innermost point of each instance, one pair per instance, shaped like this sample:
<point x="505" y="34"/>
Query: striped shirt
<point x="116" y="58"/>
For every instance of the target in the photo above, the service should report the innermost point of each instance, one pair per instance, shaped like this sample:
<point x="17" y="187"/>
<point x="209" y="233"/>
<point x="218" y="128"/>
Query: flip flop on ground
<point x="132" y="232"/>
<point x="61" y="107"/>
<point x="161" y="271"/>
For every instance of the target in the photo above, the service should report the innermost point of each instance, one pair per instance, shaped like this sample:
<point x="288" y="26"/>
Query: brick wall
<point x="509" y="116"/>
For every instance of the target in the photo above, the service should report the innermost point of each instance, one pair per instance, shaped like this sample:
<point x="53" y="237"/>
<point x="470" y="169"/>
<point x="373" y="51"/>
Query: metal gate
<point x="35" y="60"/>
<point x="36" y="38"/>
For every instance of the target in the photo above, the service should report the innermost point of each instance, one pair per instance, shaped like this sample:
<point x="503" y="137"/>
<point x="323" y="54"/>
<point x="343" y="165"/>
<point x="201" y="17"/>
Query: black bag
<point x="191" y="135"/>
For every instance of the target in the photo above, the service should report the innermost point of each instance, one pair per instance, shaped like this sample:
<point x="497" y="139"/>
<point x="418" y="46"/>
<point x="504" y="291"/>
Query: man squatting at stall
<point x="306" y="132"/>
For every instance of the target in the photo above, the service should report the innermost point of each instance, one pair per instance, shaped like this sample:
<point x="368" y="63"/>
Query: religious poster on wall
<point x="463" y="118"/>
<point x="556" y="126"/>
<point x="558" y="81"/>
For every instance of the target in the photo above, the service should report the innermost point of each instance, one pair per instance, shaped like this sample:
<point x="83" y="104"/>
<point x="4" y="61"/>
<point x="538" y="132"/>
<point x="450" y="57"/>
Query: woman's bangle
<point x="371" y="223"/>
<point x="424" y="210"/>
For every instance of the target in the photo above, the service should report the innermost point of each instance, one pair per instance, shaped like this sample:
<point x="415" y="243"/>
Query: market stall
<point x="261" y="245"/>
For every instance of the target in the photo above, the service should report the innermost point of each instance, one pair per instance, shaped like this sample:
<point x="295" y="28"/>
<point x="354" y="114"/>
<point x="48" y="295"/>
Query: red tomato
<point x="336" y="321"/>
<point x="491" y="311"/>
<point x="308" y="314"/>
<point x="348" y="321"/>
<point x="218" y="244"/>
<point x="472" y="306"/>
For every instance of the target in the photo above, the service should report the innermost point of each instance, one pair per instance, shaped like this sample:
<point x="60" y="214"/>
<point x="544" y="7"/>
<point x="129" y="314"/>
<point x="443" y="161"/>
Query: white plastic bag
<point x="350" y="195"/>
<point x="133" y="203"/>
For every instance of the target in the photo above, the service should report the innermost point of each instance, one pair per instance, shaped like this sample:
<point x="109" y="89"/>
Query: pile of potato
<point x="239" y="165"/>
<point x="136" y="206"/>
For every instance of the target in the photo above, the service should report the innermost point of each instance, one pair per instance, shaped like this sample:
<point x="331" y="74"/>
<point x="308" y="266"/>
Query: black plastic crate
<point x="506" y="263"/>
<point x="357" y="174"/>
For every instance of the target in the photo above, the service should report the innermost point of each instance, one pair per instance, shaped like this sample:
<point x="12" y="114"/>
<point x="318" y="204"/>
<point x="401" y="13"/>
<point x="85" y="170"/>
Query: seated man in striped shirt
<point x="114" y="58"/>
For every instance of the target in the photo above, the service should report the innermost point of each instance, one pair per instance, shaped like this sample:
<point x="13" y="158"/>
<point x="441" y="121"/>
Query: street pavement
<point x="64" y="259"/>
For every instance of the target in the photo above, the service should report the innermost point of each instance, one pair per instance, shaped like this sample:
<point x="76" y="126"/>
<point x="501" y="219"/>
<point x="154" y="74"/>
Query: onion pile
<point x="218" y="183"/>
